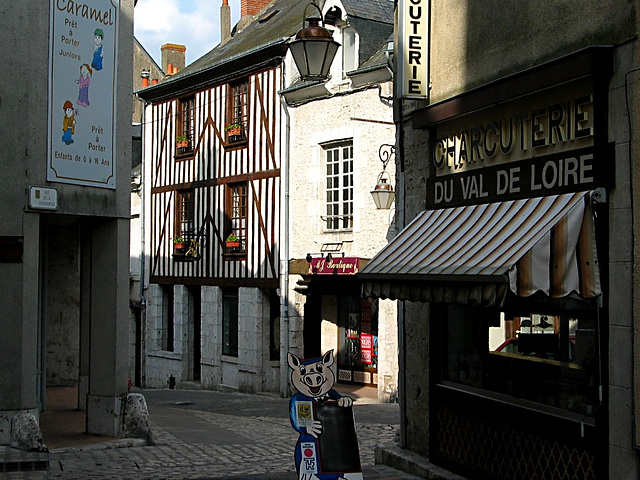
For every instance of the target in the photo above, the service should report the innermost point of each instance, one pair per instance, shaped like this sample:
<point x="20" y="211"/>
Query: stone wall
<point x="63" y="306"/>
<point x="211" y="373"/>
<point x="489" y="47"/>
<point x="250" y="371"/>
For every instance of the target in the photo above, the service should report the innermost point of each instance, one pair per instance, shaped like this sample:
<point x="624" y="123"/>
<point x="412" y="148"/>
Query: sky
<point x="193" y="23"/>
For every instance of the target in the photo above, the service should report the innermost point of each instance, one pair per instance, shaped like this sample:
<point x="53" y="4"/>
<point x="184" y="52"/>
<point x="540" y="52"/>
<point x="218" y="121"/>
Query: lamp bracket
<point x="386" y="152"/>
<point x="304" y="14"/>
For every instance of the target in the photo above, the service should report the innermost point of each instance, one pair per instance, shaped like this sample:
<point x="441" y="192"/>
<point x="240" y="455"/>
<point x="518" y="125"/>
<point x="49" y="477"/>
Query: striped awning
<point x="473" y="255"/>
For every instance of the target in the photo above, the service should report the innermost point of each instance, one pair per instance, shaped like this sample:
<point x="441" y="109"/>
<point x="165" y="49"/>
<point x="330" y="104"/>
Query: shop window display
<point x="550" y="358"/>
<point x="358" y="340"/>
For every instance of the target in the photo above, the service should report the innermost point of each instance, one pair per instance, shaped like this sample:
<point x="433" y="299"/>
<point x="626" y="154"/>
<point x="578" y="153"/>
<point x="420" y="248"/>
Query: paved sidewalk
<point x="214" y="435"/>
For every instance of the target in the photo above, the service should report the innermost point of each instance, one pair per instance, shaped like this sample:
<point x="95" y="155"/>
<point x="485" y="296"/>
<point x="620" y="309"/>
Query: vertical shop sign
<point x="83" y="50"/>
<point x="413" y="51"/>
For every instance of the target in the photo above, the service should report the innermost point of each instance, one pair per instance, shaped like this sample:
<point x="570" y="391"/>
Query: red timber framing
<point x="215" y="163"/>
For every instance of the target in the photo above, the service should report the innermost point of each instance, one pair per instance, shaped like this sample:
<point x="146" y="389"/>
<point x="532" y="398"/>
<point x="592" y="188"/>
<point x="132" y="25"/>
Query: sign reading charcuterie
<point x="534" y="146"/>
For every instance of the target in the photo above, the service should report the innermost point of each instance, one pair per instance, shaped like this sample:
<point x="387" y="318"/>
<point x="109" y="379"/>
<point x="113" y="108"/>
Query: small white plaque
<point x="43" y="198"/>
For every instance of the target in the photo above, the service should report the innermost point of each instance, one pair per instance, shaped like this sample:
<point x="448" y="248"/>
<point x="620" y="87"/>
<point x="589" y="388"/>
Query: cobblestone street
<point x="215" y="435"/>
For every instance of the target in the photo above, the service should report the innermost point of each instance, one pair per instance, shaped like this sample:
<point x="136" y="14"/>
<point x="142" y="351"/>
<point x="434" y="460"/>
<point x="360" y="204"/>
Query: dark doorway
<point x="195" y="323"/>
<point x="312" y="324"/>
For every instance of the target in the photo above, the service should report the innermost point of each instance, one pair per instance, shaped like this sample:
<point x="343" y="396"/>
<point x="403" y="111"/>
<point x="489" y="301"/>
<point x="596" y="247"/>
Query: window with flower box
<point x="185" y="126"/>
<point x="236" y="127"/>
<point x="185" y="212"/>
<point x="236" y="213"/>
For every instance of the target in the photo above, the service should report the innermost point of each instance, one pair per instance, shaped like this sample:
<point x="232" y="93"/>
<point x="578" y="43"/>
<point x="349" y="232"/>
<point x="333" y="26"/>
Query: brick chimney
<point x="251" y="7"/>
<point x="173" y="55"/>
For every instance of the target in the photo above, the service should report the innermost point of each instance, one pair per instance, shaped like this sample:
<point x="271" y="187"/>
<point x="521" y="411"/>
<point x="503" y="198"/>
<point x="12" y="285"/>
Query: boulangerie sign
<point x="83" y="50"/>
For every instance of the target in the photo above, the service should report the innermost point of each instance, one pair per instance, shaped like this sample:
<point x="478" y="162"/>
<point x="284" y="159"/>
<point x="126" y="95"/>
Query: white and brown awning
<point x="475" y="254"/>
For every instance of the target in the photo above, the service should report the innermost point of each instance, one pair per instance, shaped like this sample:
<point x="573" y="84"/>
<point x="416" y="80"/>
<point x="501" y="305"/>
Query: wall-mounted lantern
<point x="383" y="194"/>
<point x="314" y="48"/>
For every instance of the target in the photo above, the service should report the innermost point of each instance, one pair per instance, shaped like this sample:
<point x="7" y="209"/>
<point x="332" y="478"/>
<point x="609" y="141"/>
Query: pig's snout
<point x="313" y="380"/>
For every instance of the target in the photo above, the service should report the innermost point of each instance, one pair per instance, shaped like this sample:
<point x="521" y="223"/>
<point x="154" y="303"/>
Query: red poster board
<point x="366" y="348"/>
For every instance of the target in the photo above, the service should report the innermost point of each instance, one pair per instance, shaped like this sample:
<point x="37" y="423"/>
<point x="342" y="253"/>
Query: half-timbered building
<point x="214" y="136"/>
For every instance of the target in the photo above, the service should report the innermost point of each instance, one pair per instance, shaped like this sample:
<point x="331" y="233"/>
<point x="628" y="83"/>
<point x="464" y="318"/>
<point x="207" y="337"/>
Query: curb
<point x="123" y="443"/>
<point x="407" y="461"/>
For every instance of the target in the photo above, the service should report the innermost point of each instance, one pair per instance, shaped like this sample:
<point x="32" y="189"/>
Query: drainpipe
<point x="142" y="207"/>
<point x="284" y="253"/>
<point x="143" y="218"/>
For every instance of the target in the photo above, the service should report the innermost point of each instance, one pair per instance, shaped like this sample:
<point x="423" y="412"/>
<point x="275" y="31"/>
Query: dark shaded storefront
<point x="336" y="316"/>
<point x="508" y="353"/>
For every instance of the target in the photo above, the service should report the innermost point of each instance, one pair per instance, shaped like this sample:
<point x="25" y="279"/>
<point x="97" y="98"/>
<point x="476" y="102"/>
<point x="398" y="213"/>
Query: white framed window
<point x="339" y="186"/>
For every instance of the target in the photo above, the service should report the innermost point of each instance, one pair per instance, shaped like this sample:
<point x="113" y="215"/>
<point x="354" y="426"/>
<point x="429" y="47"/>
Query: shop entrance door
<point x="358" y="340"/>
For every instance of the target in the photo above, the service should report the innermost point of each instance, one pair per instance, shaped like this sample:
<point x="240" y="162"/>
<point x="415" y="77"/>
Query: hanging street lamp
<point x="314" y="48"/>
<point x="383" y="194"/>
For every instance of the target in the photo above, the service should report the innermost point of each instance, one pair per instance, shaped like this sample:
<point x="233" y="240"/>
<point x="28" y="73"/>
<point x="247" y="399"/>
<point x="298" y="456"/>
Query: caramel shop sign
<point x="83" y="64"/>
<point x="528" y="149"/>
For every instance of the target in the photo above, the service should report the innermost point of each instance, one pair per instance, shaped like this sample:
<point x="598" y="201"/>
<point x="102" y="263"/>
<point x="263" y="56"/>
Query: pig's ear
<point x="327" y="358"/>
<point x="294" y="362"/>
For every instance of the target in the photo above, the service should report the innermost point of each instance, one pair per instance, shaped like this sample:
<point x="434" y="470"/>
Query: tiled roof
<point x="376" y="10"/>
<point x="378" y="58"/>
<point x="281" y="19"/>
<point x="372" y="19"/>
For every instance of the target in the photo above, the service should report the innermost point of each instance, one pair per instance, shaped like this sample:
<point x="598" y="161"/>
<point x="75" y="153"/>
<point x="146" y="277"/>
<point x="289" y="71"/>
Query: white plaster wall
<point x="296" y="320"/>
<point x="329" y="327"/>
<point x="387" y="350"/>
<point x="368" y="121"/>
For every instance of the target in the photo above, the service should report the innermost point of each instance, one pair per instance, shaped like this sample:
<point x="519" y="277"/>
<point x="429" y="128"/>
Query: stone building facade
<point x="361" y="120"/>
<point x="64" y="259"/>
<point x="583" y="405"/>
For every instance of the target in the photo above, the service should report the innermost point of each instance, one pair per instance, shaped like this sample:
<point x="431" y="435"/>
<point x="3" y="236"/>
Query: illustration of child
<point x="83" y="82"/>
<point x="98" y="36"/>
<point x="69" y="123"/>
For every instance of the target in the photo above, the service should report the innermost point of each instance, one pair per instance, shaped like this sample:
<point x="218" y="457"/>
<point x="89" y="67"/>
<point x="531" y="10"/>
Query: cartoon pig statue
<point x="314" y="381"/>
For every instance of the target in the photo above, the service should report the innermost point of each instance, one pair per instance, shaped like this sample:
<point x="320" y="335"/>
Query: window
<point x="237" y="111"/>
<point x="185" y="207"/>
<point x="236" y="208"/>
<point x="349" y="56"/>
<point x="546" y="357"/>
<point x="230" y="322"/>
<point x="167" y="318"/>
<point x="339" y="168"/>
<point x="185" y="129"/>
